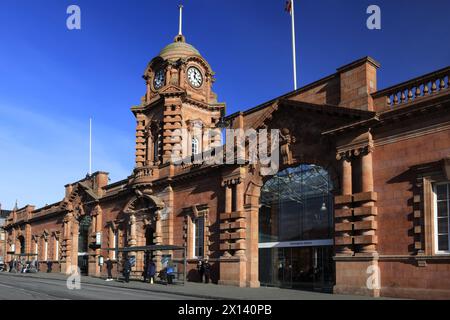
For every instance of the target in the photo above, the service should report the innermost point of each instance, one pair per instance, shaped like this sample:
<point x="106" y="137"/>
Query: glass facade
<point x="83" y="243"/>
<point x="295" y="229"/>
<point x="297" y="267"/>
<point x="83" y="236"/>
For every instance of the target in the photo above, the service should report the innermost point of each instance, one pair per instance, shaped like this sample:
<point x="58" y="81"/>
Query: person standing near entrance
<point x="170" y="272"/>
<point x="207" y="270"/>
<point x="109" y="266"/>
<point x="127" y="270"/>
<point x="145" y="272"/>
<point x="200" y="269"/>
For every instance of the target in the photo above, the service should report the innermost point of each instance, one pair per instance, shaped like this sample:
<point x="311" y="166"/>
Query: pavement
<point x="50" y="286"/>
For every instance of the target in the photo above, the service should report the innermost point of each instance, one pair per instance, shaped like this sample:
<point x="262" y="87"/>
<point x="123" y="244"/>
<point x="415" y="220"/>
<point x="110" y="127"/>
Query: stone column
<point x="13" y="242"/>
<point x="239" y="196"/>
<point x="367" y="186"/>
<point x="150" y="151"/>
<point x="367" y="171"/>
<point x="233" y="234"/>
<point x="240" y="243"/>
<point x="98" y="228"/>
<point x="345" y="218"/>
<point x="147" y="96"/>
<point x="111" y="243"/>
<point x="346" y="176"/>
<point x="228" y="198"/>
<point x="132" y="241"/>
<point x="75" y="233"/>
<point x="158" y="239"/>
<point x="67" y="245"/>
<point x="228" y="208"/>
<point x="28" y="238"/>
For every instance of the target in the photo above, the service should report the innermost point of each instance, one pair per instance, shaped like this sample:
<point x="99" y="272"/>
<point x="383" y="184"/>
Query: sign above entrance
<point x="300" y="243"/>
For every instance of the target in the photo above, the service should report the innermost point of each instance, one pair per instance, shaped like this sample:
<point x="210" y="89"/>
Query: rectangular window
<point x="56" y="249"/>
<point x="441" y="221"/>
<point x="45" y="250"/>
<point x="114" y="241"/>
<point x="198" y="236"/>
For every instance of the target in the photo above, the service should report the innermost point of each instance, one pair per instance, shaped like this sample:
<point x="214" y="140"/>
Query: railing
<point x="142" y="172"/>
<point x="412" y="90"/>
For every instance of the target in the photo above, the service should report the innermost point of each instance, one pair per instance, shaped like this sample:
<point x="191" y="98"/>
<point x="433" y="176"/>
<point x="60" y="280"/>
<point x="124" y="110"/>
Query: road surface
<point x="16" y="287"/>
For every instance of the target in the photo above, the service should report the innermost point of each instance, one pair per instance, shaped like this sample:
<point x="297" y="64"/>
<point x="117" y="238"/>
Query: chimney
<point x="358" y="80"/>
<point x="100" y="180"/>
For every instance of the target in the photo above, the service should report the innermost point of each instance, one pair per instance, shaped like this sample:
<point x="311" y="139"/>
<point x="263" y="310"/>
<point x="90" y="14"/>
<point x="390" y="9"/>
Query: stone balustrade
<point x="144" y="174"/>
<point x="412" y="90"/>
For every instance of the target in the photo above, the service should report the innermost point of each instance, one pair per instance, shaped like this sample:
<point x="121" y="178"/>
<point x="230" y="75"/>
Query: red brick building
<point x="3" y="215"/>
<point x="362" y="189"/>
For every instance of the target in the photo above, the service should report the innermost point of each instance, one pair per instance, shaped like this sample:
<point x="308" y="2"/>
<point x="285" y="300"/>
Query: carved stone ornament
<point x="286" y="140"/>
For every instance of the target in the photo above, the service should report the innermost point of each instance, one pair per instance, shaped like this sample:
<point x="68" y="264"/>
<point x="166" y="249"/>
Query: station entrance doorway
<point x="296" y="230"/>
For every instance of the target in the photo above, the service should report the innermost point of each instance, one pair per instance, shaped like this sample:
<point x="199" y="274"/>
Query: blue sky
<point x="53" y="79"/>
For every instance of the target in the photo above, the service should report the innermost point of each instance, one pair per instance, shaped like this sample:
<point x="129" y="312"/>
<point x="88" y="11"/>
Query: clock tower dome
<point x="178" y="99"/>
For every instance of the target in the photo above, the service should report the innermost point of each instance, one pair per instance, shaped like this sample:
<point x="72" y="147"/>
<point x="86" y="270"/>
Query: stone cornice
<point x="362" y="144"/>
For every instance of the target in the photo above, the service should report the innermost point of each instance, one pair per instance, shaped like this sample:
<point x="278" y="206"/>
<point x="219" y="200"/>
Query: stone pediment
<point x="143" y="202"/>
<point x="171" y="90"/>
<point x="75" y="201"/>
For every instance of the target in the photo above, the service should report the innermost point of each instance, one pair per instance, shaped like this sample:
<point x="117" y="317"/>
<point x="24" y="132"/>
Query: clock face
<point x="158" y="82"/>
<point x="195" y="77"/>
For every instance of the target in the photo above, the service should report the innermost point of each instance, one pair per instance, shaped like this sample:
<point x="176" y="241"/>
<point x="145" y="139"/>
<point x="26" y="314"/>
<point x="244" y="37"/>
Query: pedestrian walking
<point x="200" y="269"/>
<point x="151" y="271"/>
<point x="146" y="266"/>
<point x="207" y="270"/>
<point x="127" y="270"/>
<point x="109" y="266"/>
<point x="49" y="266"/>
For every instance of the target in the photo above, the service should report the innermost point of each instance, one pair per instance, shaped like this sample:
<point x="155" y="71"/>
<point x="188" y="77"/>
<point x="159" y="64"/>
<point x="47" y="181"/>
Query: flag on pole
<point x="288" y="7"/>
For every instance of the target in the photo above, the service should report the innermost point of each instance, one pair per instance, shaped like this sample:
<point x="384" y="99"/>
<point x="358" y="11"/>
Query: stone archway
<point x="300" y="142"/>
<point x="142" y="216"/>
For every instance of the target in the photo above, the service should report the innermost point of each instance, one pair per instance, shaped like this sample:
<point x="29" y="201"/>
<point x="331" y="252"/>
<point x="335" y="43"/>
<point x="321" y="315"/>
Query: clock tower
<point x="178" y="100"/>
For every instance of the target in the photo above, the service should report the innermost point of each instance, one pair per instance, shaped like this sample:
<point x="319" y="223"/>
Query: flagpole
<point x="90" y="146"/>
<point x="180" y="20"/>
<point x="293" y="44"/>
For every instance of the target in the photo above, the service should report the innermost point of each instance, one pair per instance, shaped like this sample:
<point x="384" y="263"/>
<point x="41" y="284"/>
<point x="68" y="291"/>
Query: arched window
<point x="156" y="148"/>
<point x="195" y="146"/>
<point x="22" y="244"/>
